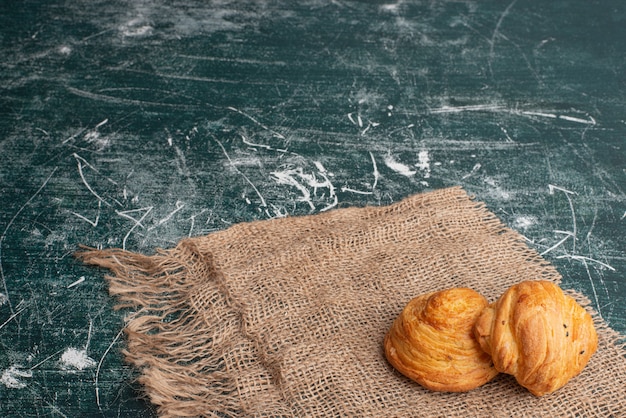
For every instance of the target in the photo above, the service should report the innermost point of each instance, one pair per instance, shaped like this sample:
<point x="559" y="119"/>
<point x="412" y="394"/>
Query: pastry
<point x="432" y="342"/>
<point x="537" y="334"/>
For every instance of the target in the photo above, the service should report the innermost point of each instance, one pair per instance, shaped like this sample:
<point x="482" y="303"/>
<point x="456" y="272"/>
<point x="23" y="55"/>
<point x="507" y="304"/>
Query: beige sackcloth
<point x="286" y="317"/>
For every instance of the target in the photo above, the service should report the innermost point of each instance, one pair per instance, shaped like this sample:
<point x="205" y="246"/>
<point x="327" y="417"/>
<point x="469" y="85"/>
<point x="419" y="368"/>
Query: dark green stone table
<point x="136" y="123"/>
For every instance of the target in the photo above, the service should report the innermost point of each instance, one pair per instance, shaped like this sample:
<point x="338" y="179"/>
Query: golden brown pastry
<point x="432" y="341"/>
<point x="537" y="334"/>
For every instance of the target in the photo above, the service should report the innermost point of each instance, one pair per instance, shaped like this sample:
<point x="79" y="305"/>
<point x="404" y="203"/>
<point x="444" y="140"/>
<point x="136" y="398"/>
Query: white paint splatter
<point x="65" y="50"/>
<point x="424" y="163"/>
<point x="73" y="358"/>
<point x="296" y="177"/>
<point x="12" y="377"/>
<point x="391" y="7"/>
<point x="136" y="27"/>
<point x="94" y="137"/>
<point x="495" y="190"/>
<point x="398" y="167"/>
<point x="288" y="177"/>
<point x="524" y="222"/>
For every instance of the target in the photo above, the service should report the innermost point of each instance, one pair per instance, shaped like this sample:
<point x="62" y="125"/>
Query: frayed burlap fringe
<point x="286" y="317"/>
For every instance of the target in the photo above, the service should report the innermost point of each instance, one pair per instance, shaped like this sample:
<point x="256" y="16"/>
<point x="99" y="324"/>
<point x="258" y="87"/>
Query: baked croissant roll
<point x="537" y="334"/>
<point x="432" y="342"/>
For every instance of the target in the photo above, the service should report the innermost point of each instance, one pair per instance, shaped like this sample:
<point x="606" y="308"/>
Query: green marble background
<point x="136" y="123"/>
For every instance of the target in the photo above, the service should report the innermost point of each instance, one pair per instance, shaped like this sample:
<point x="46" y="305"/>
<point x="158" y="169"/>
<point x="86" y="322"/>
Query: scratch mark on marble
<point x="200" y="79"/>
<point x="468" y="108"/>
<point x="236" y="60"/>
<point x="376" y="174"/>
<point x="591" y="281"/>
<point x="583" y="258"/>
<point x="568" y="234"/>
<point x="255" y="145"/>
<point x="118" y="100"/>
<point x="179" y="205"/>
<point x="137" y="222"/>
<point x="506" y="133"/>
<point x="80" y="161"/>
<point x="540" y="114"/>
<point x="192" y="220"/>
<point x="93" y="223"/>
<point x="276" y="134"/>
<point x="46" y="359"/>
<point x="367" y="128"/>
<point x="232" y="164"/>
<point x="474" y="170"/>
<point x="495" y="34"/>
<point x="97" y="377"/>
<point x="571" y="255"/>
<point x="19" y="308"/>
<point x="331" y="191"/>
<point x="568" y="193"/>
<point x="6" y="229"/>
<point x="591" y="120"/>
<point x="76" y="283"/>
<point x="375" y="171"/>
<point x="495" y="108"/>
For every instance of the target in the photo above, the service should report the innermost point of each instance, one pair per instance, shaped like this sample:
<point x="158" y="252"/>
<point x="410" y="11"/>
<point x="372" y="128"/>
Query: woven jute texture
<point x="286" y="317"/>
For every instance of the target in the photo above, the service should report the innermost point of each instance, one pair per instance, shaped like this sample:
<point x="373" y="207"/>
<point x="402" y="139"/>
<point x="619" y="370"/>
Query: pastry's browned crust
<point x="432" y="341"/>
<point x="537" y="334"/>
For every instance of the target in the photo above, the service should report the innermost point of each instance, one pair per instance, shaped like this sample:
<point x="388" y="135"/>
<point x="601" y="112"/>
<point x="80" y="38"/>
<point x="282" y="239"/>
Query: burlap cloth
<point x="286" y="317"/>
